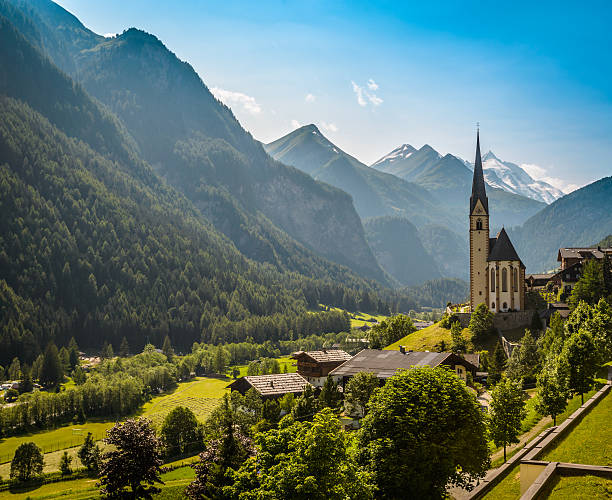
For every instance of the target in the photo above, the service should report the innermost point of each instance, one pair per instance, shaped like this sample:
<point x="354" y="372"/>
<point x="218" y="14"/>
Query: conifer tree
<point x="124" y="348"/>
<point x="330" y="396"/>
<point x="167" y="348"/>
<point x="51" y="371"/>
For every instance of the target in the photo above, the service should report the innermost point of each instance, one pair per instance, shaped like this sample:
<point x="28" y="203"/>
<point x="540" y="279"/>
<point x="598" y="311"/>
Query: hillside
<point x="93" y="244"/>
<point x="272" y="213"/>
<point x="449" y="179"/>
<point x="398" y="249"/>
<point x="374" y="193"/>
<point x="578" y="219"/>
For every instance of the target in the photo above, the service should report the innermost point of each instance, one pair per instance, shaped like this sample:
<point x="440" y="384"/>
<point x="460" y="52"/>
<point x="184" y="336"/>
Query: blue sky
<point x="374" y="75"/>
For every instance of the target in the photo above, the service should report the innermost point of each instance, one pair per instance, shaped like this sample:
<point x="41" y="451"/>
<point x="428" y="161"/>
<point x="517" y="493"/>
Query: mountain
<point x="512" y="178"/>
<point x="606" y="242"/>
<point x="448" y="249"/>
<point x="449" y="179"/>
<point x="397" y="246"/>
<point x="577" y="219"/>
<point x="273" y="213"/>
<point x="374" y="193"/>
<point x="95" y="244"/>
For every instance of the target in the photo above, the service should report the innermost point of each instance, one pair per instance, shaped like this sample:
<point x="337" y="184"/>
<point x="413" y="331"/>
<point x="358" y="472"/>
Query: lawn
<point x="590" y="442"/>
<point x="427" y="339"/>
<point x="80" y="489"/>
<point x="579" y="487"/>
<point x="283" y="361"/>
<point x="509" y="488"/>
<point x="201" y="395"/>
<point x="359" y="319"/>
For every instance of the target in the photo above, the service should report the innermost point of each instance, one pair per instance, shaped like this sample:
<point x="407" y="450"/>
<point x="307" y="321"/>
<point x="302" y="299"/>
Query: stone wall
<point x="501" y="320"/>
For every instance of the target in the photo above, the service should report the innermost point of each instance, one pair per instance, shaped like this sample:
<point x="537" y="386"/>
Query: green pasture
<point x="579" y="488"/>
<point x="282" y="361"/>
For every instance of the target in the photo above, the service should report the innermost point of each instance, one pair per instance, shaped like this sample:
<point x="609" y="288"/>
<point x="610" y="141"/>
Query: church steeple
<point x="478" y="184"/>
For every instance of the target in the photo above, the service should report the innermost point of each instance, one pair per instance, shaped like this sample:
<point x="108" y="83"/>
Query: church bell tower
<point x="479" y="235"/>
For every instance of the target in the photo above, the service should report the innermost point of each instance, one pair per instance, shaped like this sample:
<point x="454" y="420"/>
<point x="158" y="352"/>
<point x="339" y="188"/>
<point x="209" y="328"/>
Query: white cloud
<point x="359" y="93"/>
<point x="363" y="96"/>
<point x="310" y="98"/>
<point x="295" y="124"/>
<point x="329" y="127"/>
<point x="228" y="97"/>
<point x="540" y="174"/>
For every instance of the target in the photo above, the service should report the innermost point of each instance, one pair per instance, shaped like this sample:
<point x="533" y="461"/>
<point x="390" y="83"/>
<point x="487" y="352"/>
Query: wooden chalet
<point x="314" y="366"/>
<point x="385" y="364"/>
<point x="271" y="386"/>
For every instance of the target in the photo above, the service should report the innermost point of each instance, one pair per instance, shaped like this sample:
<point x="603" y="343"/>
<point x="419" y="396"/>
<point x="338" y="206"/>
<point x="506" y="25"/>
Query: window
<point x="505" y="305"/>
<point x="492" y="305"/>
<point x="515" y="279"/>
<point x="492" y="280"/>
<point x="504" y="280"/>
<point x="478" y="224"/>
<point x="480" y="292"/>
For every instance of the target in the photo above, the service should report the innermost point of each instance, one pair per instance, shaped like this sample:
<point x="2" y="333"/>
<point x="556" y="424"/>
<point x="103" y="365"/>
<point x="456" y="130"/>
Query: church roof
<point x="479" y="191"/>
<point x="503" y="248"/>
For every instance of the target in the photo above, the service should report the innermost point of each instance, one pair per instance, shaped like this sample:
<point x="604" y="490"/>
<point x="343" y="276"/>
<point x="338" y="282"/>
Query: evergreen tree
<point x="65" y="462"/>
<point x="330" y="396"/>
<point x="51" y="371"/>
<point x="89" y="454"/>
<point x="14" y="371"/>
<point x="124" y="348"/>
<point x="497" y="365"/>
<point x="459" y="344"/>
<point x="507" y="411"/>
<point x="25" y="384"/>
<point x="481" y="322"/>
<point x="167" y="348"/>
<point x="590" y="287"/>
<point x="107" y="351"/>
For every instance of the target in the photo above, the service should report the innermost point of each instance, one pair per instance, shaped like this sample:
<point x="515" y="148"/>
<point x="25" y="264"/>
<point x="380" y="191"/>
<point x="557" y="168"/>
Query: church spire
<point x="478" y="184"/>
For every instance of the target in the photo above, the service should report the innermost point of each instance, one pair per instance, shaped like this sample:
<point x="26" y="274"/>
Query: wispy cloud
<point x="310" y="98"/>
<point x="295" y="124"/>
<point x="541" y="174"/>
<point x="363" y="96"/>
<point x="228" y="97"/>
<point x="329" y="127"/>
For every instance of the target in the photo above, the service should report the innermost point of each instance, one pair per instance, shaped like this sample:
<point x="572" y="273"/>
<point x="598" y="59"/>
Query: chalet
<point x="271" y="386"/>
<point x="538" y="281"/>
<point x="314" y="366"/>
<point x="570" y="256"/>
<point x="385" y="364"/>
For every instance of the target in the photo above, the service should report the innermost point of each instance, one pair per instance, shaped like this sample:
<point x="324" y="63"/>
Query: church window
<point x="504" y="280"/>
<point x="515" y="280"/>
<point x="480" y="292"/>
<point x="505" y="305"/>
<point x="492" y="305"/>
<point x="492" y="280"/>
<point x="479" y="224"/>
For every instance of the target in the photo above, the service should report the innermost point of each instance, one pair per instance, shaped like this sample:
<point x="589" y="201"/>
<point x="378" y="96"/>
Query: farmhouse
<point x="314" y="366"/>
<point x="384" y="364"/>
<point x="271" y="386"/>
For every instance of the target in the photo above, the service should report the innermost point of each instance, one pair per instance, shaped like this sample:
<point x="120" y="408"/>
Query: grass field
<point x="282" y="361"/>
<point x="81" y="489"/>
<point x="590" y="442"/>
<point x="359" y="319"/>
<point x="579" y="488"/>
<point x="427" y="339"/>
<point x="200" y="395"/>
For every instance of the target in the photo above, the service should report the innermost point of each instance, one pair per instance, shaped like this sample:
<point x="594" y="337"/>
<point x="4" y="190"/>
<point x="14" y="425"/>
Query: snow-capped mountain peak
<point x="510" y="177"/>
<point x="403" y="151"/>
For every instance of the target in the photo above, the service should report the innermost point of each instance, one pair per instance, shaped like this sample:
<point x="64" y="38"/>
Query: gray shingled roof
<point x="327" y="356"/>
<point x="276" y="384"/>
<point x="384" y="364"/>
<point x="503" y="248"/>
<point x="479" y="191"/>
<point x="583" y="252"/>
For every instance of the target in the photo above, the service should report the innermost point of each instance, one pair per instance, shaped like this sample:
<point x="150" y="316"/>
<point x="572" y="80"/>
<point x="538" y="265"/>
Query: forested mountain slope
<point x="578" y="219"/>
<point x="93" y="244"/>
<point x="398" y="248"/>
<point x="272" y="212"/>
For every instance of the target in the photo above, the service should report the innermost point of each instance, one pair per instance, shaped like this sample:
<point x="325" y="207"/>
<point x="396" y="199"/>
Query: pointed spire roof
<point x="503" y="248"/>
<point x="479" y="191"/>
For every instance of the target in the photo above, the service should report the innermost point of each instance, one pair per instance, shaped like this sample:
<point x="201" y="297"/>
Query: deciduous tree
<point x="27" y="462"/>
<point x="390" y="330"/>
<point x="507" y="411"/>
<point x="552" y="394"/>
<point x="481" y="322"/>
<point x="359" y="390"/>
<point x="424" y="431"/>
<point x="330" y="396"/>
<point x="579" y="360"/>
<point x="133" y="466"/>
<point x="181" y="432"/>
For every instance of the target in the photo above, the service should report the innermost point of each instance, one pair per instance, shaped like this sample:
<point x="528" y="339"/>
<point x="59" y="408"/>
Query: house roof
<point x="540" y="276"/>
<point x="503" y="249"/>
<point x="272" y="385"/>
<point x="583" y="253"/>
<point x="384" y="364"/>
<point x="325" y="356"/>
<point x="472" y="358"/>
<point x="479" y="191"/>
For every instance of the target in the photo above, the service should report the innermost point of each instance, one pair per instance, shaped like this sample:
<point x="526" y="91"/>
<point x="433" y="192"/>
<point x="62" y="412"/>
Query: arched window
<point x="504" y="280"/>
<point x="505" y="305"/>
<point x="479" y="224"/>
<point x="492" y="280"/>
<point x="515" y="279"/>
<point x="492" y="305"/>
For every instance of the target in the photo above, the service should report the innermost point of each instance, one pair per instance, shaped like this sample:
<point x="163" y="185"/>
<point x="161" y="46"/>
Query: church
<point x="497" y="275"/>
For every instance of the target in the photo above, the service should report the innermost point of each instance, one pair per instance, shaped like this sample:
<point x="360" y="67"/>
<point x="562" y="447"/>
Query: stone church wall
<point x="502" y="320"/>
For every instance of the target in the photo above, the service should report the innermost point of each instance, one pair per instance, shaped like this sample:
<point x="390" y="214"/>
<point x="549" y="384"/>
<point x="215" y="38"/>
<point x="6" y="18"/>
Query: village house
<point x="314" y="366"/>
<point x="385" y="364"/>
<point x="272" y="386"/>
